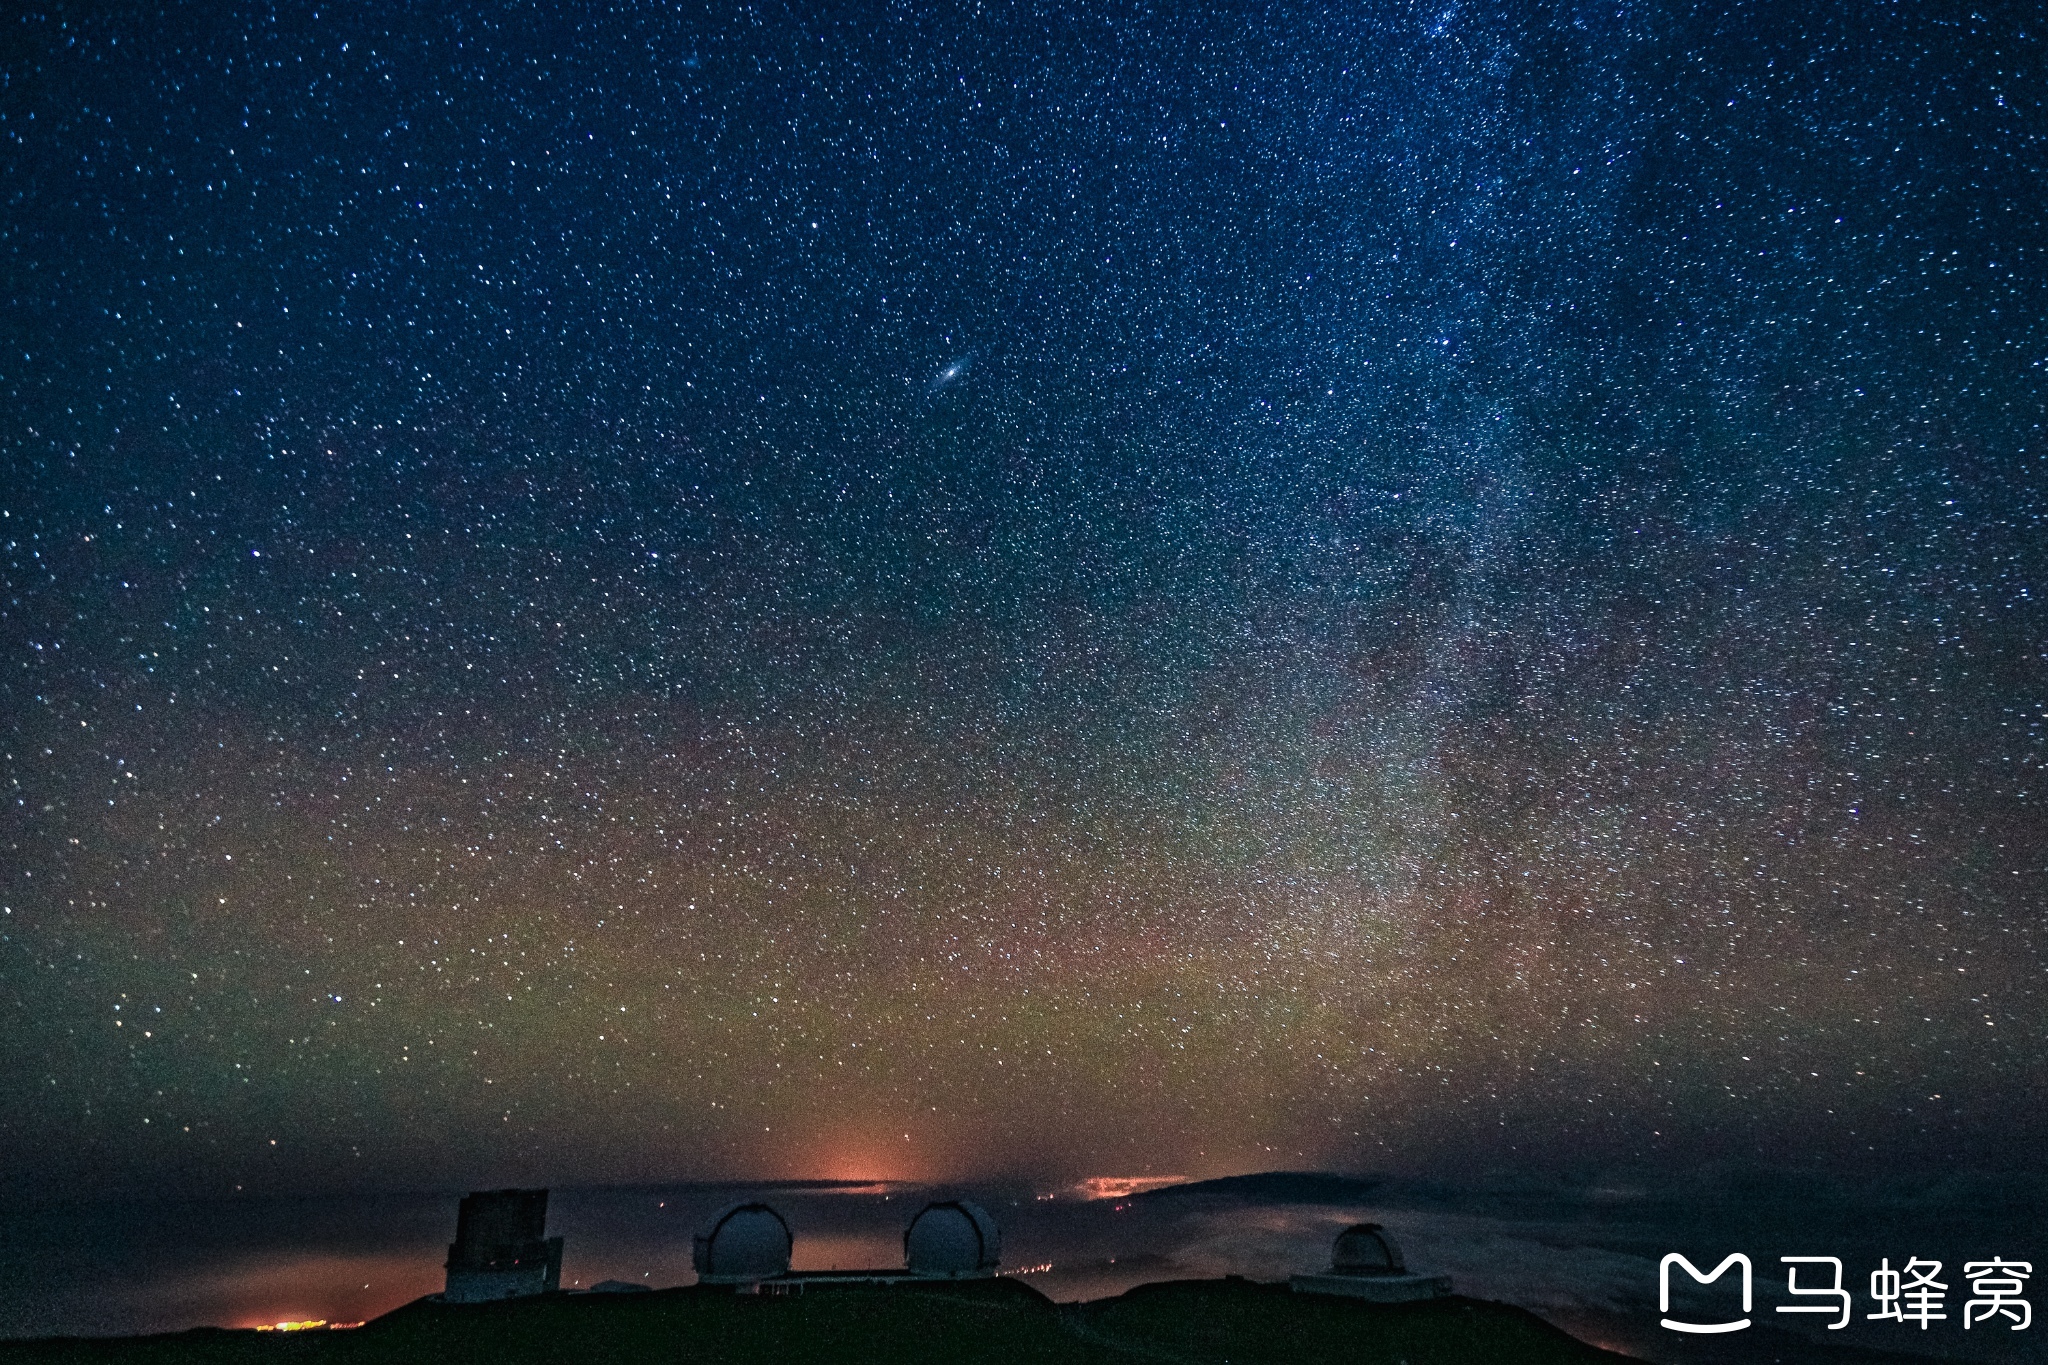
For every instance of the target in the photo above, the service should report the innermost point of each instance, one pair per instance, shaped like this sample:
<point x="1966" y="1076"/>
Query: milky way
<point x="1479" y="600"/>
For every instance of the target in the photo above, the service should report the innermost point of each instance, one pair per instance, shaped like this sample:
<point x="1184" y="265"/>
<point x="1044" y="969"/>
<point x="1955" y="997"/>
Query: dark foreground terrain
<point x="1182" y="1323"/>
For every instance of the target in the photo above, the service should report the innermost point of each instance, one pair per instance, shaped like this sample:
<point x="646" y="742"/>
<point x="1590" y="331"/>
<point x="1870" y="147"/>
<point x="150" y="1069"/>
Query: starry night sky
<point x="595" y="593"/>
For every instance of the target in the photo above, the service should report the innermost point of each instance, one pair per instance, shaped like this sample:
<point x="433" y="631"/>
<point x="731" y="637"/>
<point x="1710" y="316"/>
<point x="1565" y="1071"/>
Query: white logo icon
<point x="1664" y="1292"/>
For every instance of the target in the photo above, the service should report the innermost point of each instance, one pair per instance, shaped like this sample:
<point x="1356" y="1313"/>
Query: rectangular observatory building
<point x="501" y="1248"/>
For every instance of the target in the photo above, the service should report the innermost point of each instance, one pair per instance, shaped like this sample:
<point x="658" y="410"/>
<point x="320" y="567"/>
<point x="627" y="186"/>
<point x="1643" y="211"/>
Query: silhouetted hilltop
<point x="1002" y="1322"/>
<point x="1277" y="1187"/>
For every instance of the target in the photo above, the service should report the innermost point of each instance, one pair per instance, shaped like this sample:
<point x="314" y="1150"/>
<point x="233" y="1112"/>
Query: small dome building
<point x="953" y="1240"/>
<point x="1365" y="1264"/>
<point x="1365" y="1249"/>
<point x="746" y="1243"/>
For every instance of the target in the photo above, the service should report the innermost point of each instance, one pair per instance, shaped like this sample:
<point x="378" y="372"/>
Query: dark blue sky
<point x="603" y="592"/>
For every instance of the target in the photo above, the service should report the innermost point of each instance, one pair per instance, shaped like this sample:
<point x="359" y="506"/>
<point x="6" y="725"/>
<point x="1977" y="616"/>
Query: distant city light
<point x="1124" y="1186"/>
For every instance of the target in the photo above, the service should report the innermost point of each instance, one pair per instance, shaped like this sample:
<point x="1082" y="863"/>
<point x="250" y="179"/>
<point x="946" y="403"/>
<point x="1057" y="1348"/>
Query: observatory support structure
<point x="501" y="1248"/>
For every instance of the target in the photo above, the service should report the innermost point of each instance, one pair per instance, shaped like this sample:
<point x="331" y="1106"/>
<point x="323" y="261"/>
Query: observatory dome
<point x="1365" y="1249"/>
<point x="746" y="1242"/>
<point x="954" y="1240"/>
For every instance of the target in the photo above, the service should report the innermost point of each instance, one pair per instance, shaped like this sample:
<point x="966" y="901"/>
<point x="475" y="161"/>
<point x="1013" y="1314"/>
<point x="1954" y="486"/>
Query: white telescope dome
<point x="953" y="1240"/>
<point x="1365" y="1249"/>
<point x="747" y="1242"/>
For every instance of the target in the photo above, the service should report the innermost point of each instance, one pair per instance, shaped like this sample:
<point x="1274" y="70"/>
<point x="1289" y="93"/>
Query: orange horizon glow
<point x="867" y="1160"/>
